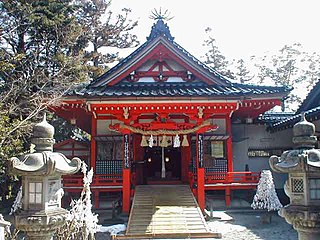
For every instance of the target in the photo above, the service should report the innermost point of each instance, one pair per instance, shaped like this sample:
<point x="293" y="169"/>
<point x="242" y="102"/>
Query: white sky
<point x="241" y="27"/>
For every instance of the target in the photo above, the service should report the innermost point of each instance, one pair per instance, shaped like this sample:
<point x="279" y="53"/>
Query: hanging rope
<point x="165" y="131"/>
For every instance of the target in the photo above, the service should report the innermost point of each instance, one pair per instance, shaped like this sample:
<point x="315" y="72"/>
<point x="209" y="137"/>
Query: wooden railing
<point x="210" y="178"/>
<point x="232" y="177"/>
<point x="227" y="178"/>
<point x="98" y="180"/>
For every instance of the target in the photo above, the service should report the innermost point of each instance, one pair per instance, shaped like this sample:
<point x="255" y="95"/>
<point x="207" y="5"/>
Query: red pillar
<point x="126" y="183"/>
<point x="185" y="162"/>
<point x="138" y="153"/>
<point x="93" y="147"/>
<point x="230" y="160"/>
<point x="229" y="144"/>
<point x="126" y="191"/>
<point x="200" y="172"/>
<point x="200" y="189"/>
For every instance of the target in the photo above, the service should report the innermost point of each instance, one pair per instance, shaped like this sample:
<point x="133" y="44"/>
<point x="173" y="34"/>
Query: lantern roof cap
<point x="43" y="161"/>
<point x="304" y="133"/>
<point x="43" y="129"/>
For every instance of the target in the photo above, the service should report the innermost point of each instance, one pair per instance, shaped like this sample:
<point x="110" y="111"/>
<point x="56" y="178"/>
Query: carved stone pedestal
<point x="305" y="220"/>
<point x="41" y="225"/>
<point x="307" y="235"/>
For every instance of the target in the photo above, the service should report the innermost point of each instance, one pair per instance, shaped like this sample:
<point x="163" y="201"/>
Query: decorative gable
<point x="160" y="59"/>
<point x="165" y="70"/>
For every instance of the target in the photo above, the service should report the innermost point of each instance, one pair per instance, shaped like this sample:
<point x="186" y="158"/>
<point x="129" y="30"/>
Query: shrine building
<point x="161" y="116"/>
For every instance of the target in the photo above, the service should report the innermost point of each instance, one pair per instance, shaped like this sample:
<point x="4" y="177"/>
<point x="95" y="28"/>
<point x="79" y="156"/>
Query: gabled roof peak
<point x="160" y="29"/>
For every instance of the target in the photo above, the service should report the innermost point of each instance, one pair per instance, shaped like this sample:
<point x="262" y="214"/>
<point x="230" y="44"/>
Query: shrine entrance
<point x="162" y="165"/>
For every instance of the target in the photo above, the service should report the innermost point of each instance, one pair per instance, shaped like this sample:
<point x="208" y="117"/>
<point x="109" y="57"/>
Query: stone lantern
<point x="41" y="172"/>
<point x="303" y="185"/>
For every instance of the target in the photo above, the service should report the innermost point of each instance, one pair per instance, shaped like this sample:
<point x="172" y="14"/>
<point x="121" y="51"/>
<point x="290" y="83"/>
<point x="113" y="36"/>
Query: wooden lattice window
<point x="35" y="192"/>
<point x="297" y="185"/>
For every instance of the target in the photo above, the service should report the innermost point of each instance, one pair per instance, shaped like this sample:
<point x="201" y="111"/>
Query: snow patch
<point x="113" y="230"/>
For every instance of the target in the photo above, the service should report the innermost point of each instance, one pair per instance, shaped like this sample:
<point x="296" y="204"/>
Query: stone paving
<point x="246" y="226"/>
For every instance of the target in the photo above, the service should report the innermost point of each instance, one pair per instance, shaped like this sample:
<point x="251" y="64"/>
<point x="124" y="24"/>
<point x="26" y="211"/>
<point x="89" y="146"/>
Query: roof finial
<point x="159" y="15"/>
<point x="160" y="28"/>
<point x="44" y="119"/>
<point x="304" y="133"/>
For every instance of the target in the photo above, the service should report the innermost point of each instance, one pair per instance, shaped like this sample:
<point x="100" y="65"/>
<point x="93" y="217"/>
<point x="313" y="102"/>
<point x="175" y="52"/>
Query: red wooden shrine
<point x="162" y="117"/>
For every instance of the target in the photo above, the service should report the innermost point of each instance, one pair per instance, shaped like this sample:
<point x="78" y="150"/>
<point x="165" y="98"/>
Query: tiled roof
<point x="120" y="64"/>
<point x="312" y="100"/>
<point x="274" y="117"/>
<point x="170" y="89"/>
<point x="310" y="106"/>
<point x="311" y="115"/>
<point x="161" y="30"/>
<point x="220" y="87"/>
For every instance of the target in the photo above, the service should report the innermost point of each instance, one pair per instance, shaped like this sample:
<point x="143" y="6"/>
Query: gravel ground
<point x="245" y="226"/>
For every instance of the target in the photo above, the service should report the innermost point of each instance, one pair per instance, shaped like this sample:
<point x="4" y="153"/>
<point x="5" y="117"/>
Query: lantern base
<point x="40" y="225"/>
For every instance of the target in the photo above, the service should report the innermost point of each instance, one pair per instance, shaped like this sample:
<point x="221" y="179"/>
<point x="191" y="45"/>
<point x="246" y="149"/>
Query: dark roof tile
<point x="311" y="115"/>
<point x="311" y="100"/>
<point x="176" y="89"/>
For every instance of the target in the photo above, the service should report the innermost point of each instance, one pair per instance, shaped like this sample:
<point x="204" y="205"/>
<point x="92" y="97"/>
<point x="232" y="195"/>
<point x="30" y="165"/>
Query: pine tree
<point x="103" y="29"/>
<point x="266" y="196"/>
<point x="242" y="74"/>
<point x="37" y="64"/>
<point x="215" y="59"/>
<point x="290" y="66"/>
<point x="42" y="55"/>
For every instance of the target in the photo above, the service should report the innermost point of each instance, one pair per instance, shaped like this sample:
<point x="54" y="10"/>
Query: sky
<point x="242" y="28"/>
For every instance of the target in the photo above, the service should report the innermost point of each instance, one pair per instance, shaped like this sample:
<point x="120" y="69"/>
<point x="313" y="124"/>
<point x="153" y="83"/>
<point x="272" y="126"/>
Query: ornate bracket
<point x="126" y="113"/>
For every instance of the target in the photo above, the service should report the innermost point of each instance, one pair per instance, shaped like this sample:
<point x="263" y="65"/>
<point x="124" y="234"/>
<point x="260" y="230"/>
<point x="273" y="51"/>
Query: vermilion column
<point x="126" y="174"/>
<point x="185" y="162"/>
<point x="200" y="172"/>
<point x="93" y="147"/>
<point x="229" y="144"/>
<point x="229" y="157"/>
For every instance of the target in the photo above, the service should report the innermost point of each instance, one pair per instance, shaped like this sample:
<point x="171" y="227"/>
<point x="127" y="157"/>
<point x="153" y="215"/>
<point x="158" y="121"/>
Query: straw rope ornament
<point x="144" y="142"/>
<point x="185" y="142"/>
<point x="151" y="141"/>
<point x="176" y="142"/>
<point x="165" y="131"/>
